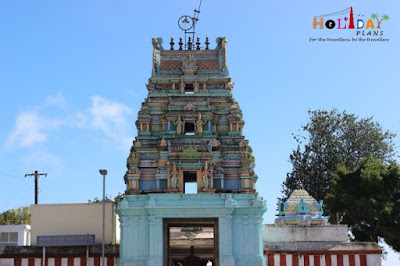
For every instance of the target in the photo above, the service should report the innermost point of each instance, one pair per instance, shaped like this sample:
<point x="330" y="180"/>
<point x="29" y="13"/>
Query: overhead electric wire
<point x="3" y="174"/>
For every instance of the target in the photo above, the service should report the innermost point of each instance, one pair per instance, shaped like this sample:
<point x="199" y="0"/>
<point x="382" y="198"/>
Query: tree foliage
<point x="107" y="199"/>
<point x="333" y="138"/>
<point x="367" y="198"/>
<point x="21" y="215"/>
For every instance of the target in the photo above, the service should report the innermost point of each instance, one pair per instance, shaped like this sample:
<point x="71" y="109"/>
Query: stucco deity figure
<point x="205" y="176"/>
<point x="199" y="125"/>
<point x="132" y="155"/>
<point x="137" y="144"/>
<point x="205" y="179"/>
<point x="174" y="177"/>
<point x="182" y="86"/>
<point x="209" y="102"/>
<point x="242" y="144"/>
<point x="215" y="143"/>
<point x="179" y="125"/>
<point x="163" y="143"/>
<point x="189" y="65"/>
<point x="196" y="86"/>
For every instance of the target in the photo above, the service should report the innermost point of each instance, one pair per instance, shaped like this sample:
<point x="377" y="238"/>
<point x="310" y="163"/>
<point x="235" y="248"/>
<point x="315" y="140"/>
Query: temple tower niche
<point x="190" y="135"/>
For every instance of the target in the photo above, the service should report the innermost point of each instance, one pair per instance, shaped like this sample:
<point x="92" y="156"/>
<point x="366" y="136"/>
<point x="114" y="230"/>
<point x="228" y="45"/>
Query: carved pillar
<point x="199" y="177"/>
<point x="132" y="182"/>
<point x="211" y="177"/>
<point x="214" y="123"/>
<point x="225" y="240"/>
<point x="144" y="127"/>
<point x="247" y="232"/>
<point x="156" y="241"/>
<point x="133" y="228"/>
<point x="123" y="220"/>
<point x="247" y="183"/>
<point x="181" y="182"/>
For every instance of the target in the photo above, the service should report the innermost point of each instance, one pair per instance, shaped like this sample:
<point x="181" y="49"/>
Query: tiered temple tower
<point x="190" y="127"/>
<point x="190" y="133"/>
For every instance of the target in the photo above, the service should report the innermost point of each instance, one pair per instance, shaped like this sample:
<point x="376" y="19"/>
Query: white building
<point x="15" y="235"/>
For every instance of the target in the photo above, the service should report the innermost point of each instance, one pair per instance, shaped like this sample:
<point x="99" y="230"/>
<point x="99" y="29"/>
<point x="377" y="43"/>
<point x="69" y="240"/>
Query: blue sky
<point x="72" y="77"/>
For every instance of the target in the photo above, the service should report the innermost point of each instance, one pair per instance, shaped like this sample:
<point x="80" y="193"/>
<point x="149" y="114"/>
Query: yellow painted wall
<point x="74" y="219"/>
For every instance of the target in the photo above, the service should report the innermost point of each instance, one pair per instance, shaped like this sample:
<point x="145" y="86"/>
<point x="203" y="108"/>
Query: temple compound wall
<point x="301" y="235"/>
<point x="316" y="245"/>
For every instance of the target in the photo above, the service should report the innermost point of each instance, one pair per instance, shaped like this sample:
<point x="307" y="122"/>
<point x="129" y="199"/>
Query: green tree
<point x="333" y="138"/>
<point x="107" y="199"/>
<point x="367" y="198"/>
<point x="21" y="215"/>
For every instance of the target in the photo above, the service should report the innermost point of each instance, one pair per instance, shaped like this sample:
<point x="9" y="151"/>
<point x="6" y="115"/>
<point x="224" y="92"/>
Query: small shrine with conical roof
<point x="190" y="181"/>
<point x="300" y="209"/>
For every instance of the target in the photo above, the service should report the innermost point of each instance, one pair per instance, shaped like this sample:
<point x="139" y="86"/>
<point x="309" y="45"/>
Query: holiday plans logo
<point x="369" y="26"/>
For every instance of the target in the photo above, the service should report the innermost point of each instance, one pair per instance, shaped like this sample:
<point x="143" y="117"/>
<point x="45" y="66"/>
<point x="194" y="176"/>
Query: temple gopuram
<point x="190" y="194"/>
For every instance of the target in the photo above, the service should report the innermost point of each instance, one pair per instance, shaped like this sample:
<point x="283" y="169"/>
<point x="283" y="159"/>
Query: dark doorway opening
<point x="189" y="182"/>
<point x="191" y="242"/>
<point x="189" y="89"/>
<point x="189" y="128"/>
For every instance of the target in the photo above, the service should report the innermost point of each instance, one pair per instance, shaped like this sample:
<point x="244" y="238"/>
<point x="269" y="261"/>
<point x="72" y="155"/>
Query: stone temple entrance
<point x="191" y="242"/>
<point x="151" y="226"/>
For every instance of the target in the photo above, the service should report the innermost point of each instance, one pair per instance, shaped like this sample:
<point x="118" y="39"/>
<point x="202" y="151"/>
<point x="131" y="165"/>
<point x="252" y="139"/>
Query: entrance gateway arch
<point x="190" y="194"/>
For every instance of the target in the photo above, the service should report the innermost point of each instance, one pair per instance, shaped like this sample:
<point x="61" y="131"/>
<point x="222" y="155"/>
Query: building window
<point x="189" y="128"/>
<point x="8" y="238"/>
<point x="189" y="89"/>
<point x="190" y="183"/>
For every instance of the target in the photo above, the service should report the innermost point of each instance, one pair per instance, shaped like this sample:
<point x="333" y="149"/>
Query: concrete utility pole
<point x="103" y="172"/>
<point x="37" y="175"/>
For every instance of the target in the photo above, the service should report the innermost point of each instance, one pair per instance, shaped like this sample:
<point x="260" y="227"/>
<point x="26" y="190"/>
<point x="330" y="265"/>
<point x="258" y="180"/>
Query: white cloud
<point x="28" y="129"/>
<point x="57" y="100"/>
<point x="112" y="118"/>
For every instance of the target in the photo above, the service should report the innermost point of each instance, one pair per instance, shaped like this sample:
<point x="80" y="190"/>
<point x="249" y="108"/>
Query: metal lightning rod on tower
<point x="188" y="25"/>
